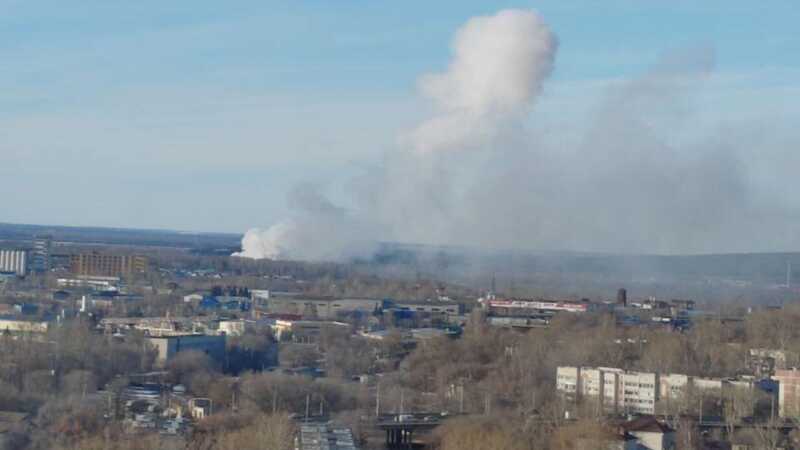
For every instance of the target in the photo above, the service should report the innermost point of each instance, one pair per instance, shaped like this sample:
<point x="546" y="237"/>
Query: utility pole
<point x="378" y="400"/>
<point x="461" y="399"/>
<point x="308" y="405"/>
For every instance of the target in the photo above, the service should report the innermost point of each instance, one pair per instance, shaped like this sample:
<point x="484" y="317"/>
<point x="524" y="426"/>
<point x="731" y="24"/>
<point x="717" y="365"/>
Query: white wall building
<point x="622" y="391"/>
<point x="635" y="392"/>
<point x="14" y="261"/>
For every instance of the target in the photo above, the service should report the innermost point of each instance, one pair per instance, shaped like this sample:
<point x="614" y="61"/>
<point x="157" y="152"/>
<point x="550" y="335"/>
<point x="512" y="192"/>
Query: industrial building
<point x="14" y="261"/>
<point x="16" y="325"/>
<point x="445" y="308"/>
<point x="517" y="307"/>
<point x="325" y="308"/>
<point x="168" y="346"/>
<point x="105" y="265"/>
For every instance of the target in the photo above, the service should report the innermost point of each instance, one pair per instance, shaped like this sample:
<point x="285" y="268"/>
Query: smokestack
<point x="622" y="297"/>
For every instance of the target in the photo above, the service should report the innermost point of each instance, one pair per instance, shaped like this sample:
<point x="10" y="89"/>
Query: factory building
<point x="168" y="346"/>
<point x="323" y="308"/>
<point x="14" y="261"/>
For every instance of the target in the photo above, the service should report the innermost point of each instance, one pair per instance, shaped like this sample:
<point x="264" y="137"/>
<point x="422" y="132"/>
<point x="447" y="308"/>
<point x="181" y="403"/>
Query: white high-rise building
<point x="14" y="261"/>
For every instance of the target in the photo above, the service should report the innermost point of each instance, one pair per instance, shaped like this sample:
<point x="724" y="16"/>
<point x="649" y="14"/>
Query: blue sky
<point x="201" y="115"/>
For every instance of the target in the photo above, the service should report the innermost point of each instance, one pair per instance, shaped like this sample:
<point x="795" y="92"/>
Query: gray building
<point x="324" y="308"/>
<point x="170" y="345"/>
<point x="42" y="246"/>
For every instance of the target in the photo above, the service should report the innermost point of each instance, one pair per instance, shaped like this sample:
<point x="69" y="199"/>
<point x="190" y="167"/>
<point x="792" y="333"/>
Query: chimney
<point x="622" y="297"/>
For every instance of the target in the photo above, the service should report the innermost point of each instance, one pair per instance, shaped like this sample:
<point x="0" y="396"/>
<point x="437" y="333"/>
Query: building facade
<point x="615" y="389"/>
<point x="42" y="246"/>
<point x="15" y="261"/>
<point x="100" y="264"/>
<point x="623" y="391"/>
<point x="788" y="392"/>
<point x="323" y="308"/>
<point x="14" y="325"/>
<point x="169" y="346"/>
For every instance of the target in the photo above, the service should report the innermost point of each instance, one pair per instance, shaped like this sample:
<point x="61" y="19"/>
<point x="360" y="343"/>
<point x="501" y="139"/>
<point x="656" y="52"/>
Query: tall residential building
<point x="42" y="246"/>
<point x="615" y="389"/>
<point x="638" y="392"/>
<point x="788" y="392"/>
<point x="14" y="261"/>
<point x="105" y="265"/>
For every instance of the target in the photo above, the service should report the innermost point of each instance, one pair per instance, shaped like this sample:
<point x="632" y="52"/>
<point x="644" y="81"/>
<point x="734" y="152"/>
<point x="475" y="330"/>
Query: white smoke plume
<point x="498" y="68"/>
<point x="634" y="176"/>
<point x="319" y="231"/>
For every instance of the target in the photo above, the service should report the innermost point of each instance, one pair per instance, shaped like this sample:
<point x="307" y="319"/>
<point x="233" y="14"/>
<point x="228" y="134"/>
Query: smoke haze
<point x="635" y="178"/>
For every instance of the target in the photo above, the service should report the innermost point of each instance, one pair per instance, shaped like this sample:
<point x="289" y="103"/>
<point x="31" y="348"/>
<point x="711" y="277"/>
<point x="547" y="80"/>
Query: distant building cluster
<point x="21" y="261"/>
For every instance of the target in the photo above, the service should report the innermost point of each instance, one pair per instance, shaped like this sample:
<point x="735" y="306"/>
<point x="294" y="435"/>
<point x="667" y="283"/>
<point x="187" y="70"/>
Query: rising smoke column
<point x="637" y="174"/>
<point x="499" y="65"/>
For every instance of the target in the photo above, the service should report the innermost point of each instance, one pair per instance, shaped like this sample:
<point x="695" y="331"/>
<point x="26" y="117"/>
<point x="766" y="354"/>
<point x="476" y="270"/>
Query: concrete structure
<point x="42" y="247"/>
<point x="518" y="306"/>
<point x="169" y="346"/>
<point x="101" y="283"/>
<point x="14" y="325"/>
<point x="614" y="389"/>
<point x="639" y="392"/>
<point x="325" y="308"/>
<point x="636" y="392"/>
<point x="234" y="327"/>
<point x="324" y="437"/>
<point x="650" y="433"/>
<point x="305" y="331"/>
<point x="763" y="361"/>
<point x="15" y="261"/>
<point x="674" y="387"/>
<point x="100" y="264"/>
<point x="259" y="296"/>
<point x="446" y="308"/>
<point x="622" y="297"/>
<point x="788" y="392"/>
<point x="193" y="298"/>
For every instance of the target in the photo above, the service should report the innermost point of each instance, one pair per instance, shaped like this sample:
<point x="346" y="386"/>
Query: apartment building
<point x="788" y="392"/>
<point x="623" y="391"/>
<point x="639" y="392"/>
<point x="616" y="390"/>
<point x="105" y="265"/>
